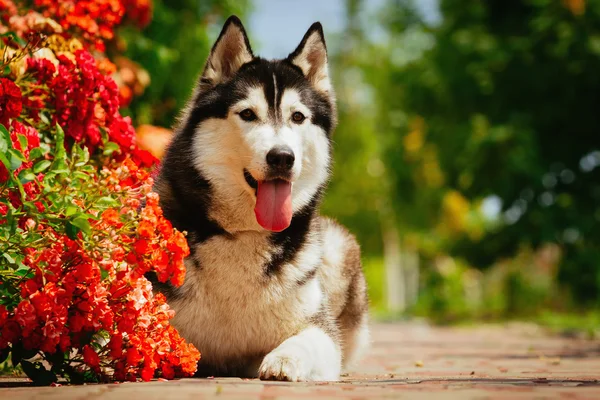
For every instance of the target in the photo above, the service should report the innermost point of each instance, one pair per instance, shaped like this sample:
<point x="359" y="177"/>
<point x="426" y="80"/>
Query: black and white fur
<point x="290" y="305"/>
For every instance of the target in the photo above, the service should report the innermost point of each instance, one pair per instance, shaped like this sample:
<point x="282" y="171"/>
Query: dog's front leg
<point x="311" y="355"/>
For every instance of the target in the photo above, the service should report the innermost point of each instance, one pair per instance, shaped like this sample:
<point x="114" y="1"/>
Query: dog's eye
<point x="248" y="115"/>
<point x="298" y="117"/>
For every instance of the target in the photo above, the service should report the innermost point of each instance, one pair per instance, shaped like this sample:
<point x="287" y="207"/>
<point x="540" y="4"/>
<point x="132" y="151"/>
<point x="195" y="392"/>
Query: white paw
<point x="309" y="356"/>
<point x="283" y="366"/>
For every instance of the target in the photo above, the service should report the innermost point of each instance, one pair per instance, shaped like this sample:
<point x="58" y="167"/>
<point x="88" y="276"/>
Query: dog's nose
<point x="281" y="158"/>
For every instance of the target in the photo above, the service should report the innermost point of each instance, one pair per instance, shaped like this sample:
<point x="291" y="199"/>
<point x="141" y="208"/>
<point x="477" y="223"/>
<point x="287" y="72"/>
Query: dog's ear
<point x="311" y="57"/>
<point x="229" y="53"/>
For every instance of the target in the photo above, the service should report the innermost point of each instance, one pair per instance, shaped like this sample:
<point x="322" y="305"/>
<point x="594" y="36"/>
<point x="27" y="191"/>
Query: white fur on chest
<point x="230" y="308"/>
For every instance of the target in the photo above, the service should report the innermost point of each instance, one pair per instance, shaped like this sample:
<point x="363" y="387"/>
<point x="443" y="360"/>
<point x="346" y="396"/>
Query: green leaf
<point x="22" y="141"/>
<point x="16" y="158"/>
<point x="5" y="140"/>
<point x="60" y="152"/>
<point x="84" y="157"/>
<point x="17" y="154"/>
<point x="44" y="118"/>
<point x="9" y="258"/>
<point x="71" y="231"/>
<point x="24" y="271"/>
<point x="83" y="224"/>
<point x="107" y="201"/>
<point x="4" y="160"/>
<point x="12" y="221"/>
<point x="88" y="169"/>
<point x="81" y="175"/>
<point x="103" y="135"/>
<point x="71" y="210"/>
<point x="47" y="178"/>
<point x="109" y="148"/>
<point x="36" y="153"/>
<point x="60" y="166"/>
<point x="3" y="144"/>
<point x="41" y="166"/>
<point x="26" y="176"/>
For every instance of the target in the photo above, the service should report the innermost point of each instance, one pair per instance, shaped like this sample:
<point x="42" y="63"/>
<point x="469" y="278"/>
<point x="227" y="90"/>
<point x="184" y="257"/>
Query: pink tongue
<point x="274" y="204"/>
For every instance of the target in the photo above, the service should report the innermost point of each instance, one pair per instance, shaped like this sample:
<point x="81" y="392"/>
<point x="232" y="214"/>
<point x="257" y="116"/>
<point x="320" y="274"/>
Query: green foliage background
<point x="173" y="49"/>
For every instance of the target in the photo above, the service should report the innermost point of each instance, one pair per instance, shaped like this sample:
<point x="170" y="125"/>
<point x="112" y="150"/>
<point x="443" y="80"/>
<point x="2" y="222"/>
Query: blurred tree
<point x="173" y="49"/>
<point x="359" y="194"/>
<point x="498" y="100"/>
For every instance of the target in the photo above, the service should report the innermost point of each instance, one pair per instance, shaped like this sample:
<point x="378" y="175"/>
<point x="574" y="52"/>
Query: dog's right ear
<point x="229" y="53"/>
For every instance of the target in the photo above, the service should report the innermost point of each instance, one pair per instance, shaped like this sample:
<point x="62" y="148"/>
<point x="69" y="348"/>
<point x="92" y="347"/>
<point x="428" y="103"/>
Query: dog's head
<point x="261" y="129"/>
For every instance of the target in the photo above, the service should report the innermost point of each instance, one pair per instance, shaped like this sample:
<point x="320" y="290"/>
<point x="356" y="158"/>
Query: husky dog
<point x="273" y="290"/>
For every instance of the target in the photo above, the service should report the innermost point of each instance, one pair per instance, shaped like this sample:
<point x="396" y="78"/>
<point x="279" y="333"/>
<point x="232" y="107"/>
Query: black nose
<point x="281" y="158"/>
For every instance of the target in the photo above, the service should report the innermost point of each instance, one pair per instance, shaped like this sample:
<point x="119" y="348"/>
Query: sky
<point x="277" y="26"/>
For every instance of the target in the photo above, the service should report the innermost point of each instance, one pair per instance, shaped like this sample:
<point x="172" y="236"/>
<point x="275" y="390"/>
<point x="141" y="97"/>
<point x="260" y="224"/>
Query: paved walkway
<point x="407" y="361"/>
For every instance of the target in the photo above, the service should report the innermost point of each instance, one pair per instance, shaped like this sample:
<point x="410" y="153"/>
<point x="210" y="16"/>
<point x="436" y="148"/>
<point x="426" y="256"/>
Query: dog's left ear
<point x="311" y="57"/>
<point x="229" y="53"/>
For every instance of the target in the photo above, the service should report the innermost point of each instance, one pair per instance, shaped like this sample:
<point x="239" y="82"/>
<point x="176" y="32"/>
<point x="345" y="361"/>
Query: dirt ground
<point x="407" y="360"/>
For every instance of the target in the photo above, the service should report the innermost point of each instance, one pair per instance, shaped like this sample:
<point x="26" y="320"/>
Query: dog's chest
<point x="230" y="308"/>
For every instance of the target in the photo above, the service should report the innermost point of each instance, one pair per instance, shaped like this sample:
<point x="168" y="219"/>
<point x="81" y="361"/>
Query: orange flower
<point x="112" y="218"/>
<point x="145" y="229"/>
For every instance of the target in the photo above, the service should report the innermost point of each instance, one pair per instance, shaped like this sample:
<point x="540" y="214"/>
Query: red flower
<point x="42" y="304"/>
<point x="147" y="373"/>
<point x="26" y="317"/>
<point x="11" y="100"/>
<point x="116" y="346"/>
<point x="139" y="11"/>
<point x="41" y="68"/>
<point x="133" y="357"/>
<point x="3" y="315"/>
<point x="167" y="371"/>
<point x="143" y="158"/>
<point x="90" y="357"/>
<point x="11" y="331"/>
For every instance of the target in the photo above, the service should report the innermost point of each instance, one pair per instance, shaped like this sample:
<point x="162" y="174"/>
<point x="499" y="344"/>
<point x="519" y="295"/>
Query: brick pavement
<point x="410" y="360"/>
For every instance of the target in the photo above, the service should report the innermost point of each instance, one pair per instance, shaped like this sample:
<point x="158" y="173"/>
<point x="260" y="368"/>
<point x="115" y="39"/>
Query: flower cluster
<point x="80" y="227"/>
<point x="84" y="100"/>
<point x="94" y="20"/>
<point x="67" y="300"/>
<point x="76" y="285"/>
<point x="157" y="246"/>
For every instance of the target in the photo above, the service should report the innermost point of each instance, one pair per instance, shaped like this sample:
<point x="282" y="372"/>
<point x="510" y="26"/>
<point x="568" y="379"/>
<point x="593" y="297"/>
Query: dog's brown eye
<point x="298" y="117"/>
<point x="248" y="115"/>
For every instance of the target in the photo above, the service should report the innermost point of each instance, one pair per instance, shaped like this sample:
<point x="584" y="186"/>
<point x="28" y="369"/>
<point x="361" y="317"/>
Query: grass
<point x="587" y="324"/>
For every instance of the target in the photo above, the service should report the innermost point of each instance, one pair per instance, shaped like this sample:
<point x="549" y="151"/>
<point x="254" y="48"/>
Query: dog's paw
<point x="283" y="366"/>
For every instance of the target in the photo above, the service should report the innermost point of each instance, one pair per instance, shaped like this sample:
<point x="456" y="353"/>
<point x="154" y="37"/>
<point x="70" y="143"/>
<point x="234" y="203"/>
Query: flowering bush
<point x="79" y="224"/>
